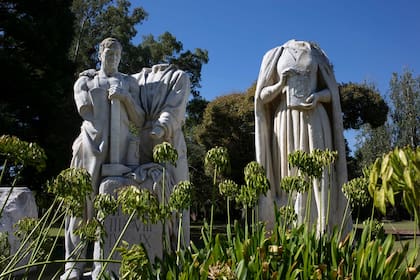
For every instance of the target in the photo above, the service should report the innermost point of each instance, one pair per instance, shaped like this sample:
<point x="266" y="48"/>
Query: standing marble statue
<point x="107" y="101"/>
<point x="297" y="107"/>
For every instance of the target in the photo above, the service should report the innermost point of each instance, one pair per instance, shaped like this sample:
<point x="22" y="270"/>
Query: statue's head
<point x="110" y="54"/>
<point x="110" y="43"/>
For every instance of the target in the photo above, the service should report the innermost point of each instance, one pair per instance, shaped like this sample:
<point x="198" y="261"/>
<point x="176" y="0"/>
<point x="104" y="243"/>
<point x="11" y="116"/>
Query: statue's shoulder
<point x="88" y="74"/>
<point x="84" y="80"/>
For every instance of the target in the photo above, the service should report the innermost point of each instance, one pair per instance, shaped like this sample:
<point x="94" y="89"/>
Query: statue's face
<point x="110" y="58"/>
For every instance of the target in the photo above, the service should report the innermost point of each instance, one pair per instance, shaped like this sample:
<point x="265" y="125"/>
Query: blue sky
<point x="365" y="40"/>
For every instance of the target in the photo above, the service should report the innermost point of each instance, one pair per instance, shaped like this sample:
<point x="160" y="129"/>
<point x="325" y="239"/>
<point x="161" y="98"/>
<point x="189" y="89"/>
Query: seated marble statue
<point x="297" y="107"/>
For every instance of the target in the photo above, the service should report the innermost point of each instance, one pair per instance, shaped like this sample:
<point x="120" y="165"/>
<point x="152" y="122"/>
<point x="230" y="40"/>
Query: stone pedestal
<point x="149" y="235"/>
<point x="20" y="204"/>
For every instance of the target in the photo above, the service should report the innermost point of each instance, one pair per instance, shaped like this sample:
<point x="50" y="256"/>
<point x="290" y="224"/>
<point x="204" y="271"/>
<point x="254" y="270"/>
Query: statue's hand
<point x="157" y="133"/>
<point x="310" y="102"/>
<point x="118" y="93"/>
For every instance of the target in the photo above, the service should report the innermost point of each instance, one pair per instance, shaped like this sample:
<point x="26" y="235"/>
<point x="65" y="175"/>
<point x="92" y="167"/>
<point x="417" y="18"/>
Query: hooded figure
<point x="297" y="107"/>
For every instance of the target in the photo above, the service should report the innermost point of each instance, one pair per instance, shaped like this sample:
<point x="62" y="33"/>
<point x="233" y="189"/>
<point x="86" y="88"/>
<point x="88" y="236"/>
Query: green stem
<point x="162" y="206"/>
<point x="308" y="206"/>
<point x="329" y="198"/>
<point x="3" y="170"/>
<point x="9" y="194"/>
<point x="116" y="243"/>
<point x="253" y="220"/>
<point x="344" y="220"/>
<point x="17" y="257"/>
<point x="246" y="223"/>
<point x="371" y="222"/>
<point x="79" y="248"/>
<point x="228" y="229"/>
<point x="51" y="250"/>
<point x="178" y="247"/>
<point x="212" y="203"/>
<point x="44" y="229"/>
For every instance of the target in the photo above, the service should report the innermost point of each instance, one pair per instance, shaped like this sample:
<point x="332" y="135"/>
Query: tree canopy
<point x="405" y="112"/>
<point x="35" y="102"/>
<point x="362" y="104"/>
<point x="228" y="121"/>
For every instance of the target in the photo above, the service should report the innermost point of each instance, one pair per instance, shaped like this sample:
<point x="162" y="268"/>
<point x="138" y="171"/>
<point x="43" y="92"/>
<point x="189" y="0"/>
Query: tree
<point x="362" y="104"/>
<point x="98" y="19"/>
<point x="373" y="143"/>
<point x="228" y="121"/>
<point x="35" y="104"/>
<point x="167" y="49"/>
<point x="363" y="109"/>
<point x="405" y="113"/>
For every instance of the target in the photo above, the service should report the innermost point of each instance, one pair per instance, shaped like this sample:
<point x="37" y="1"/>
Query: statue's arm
<point x="173" y="114"/>
<point x="270" y="92"/>
<point x="130" y="99"/>
<point x="323" y="96"/>
<point x="82" y="98"/>
<point x="132" y="103"/>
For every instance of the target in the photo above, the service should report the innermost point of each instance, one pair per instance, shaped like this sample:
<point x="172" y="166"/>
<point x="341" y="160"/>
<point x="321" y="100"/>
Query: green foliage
<point x="141" y="201"/>
<point x="362" y="104"/>
<point x="21" y="152"/>
<point x="31" y="230"/>
<point x="195" y="110"/>
<point x="312" y="164"/>
<point x="36" y="103"/>
<point x="105" y="205"/>
<point x="284" y="252"/>
<point x="165" y="152"/>
<point x="88" y="231"/>
<point x="357" y="193"/>
<point x="17" y="155"/>
<point x="217" y="161"/>
<point x="291" y="184"/>
<point x="405" y="113"/>
<point x="288" y="214"/>
<point x="4" y="249"/>
<point x="247" y="197"/>
<point x="373" y="143"/>
<point x="72" y="186"/>
<point x="397" y="172"/>
<point x="228" y="188"/>
<point x="228" y="121"/>
<point x="255" y="178"/>
<point x="180" y="198"/>
<point x="376" y="228"/>
<point x="221" y="271"/>
<point x="96" y="20"/>
<point x="135" y="262"/>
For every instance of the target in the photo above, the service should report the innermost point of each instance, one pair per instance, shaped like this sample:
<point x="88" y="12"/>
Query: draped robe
<point x="282" y="129"/>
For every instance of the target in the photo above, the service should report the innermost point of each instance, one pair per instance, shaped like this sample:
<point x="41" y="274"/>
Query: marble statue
<point x="164" y="93"/>
<point x="297" y="107"/>
<point x="111" y="104"/>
